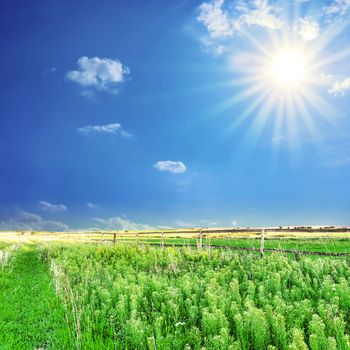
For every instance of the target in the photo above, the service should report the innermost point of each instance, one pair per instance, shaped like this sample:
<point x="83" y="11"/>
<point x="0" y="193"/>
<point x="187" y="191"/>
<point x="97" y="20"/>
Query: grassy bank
<point x="31" y="316"/>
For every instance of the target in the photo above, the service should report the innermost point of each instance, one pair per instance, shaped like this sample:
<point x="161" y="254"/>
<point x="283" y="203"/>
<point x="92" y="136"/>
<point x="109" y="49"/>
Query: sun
<point x="280" y="84"/>
<point x="288" y="69"/>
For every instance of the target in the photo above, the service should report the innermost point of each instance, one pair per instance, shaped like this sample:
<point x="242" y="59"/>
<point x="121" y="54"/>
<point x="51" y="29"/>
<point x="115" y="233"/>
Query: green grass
<point x="125" y="297"/>
<point x="313" y="245"/>
<point x="31" y="315"/>
<point x="4" y="245"/>
<point x="90" y="296"/>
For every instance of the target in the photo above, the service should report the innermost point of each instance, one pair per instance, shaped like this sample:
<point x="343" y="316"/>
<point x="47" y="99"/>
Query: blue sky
<point x="138" y="114"/>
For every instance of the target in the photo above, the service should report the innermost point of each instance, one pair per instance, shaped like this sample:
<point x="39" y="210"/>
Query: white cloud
<point x="337" y="8"/>
<point x="262" y="14"/>
<point x="175" y="167"/>
<point x="234" y="223"/>
<point x="224" y="23"/>
<point x="50" y="70"/>
<point x="100" y="73"/>
<point x="114" y="128"/>
<point x="215" y="19"/>
<point x="89" y="94"/>
<point x="43" y="205"/>
<point x="31" y="222"/>
<point x="211" y="46"/>
<point x="91" y="205"/>
<point x="279" y="140"/>
<point x="119" y="223"/>
<point x="340" y="87"/>
<point x="307" y="28"/>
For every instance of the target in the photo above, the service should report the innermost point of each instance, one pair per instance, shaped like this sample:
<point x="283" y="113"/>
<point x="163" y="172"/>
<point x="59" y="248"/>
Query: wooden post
<point x="163" y="242"/>
<point x="209" y="246"/>
<point x="114" y="237"/>
<point x="200" y="243"/>
<point x="262" y="242"/>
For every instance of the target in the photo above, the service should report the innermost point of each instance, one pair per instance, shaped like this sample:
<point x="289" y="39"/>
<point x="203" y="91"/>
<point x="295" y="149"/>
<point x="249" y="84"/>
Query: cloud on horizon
<point x="46" y="206"/>
<point x="120" y="223"/>
<point x="91" y="205"/>
<point x="26" y="221"/>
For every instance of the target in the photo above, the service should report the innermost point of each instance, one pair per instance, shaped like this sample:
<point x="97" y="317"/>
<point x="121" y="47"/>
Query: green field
<point x="313" y="245"/>
<point x="88" y="296"/>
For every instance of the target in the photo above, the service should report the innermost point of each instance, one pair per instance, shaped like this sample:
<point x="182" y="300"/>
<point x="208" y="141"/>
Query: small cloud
<point x="262" y="14"/>
<point x="90" y="94"/>
<point x="307" y="28"/>
<point x="211" y="46"/>
<point x="340" y="87"/>
<point x="279" y="140"/>
<point x="50" y="70"/>
<point x="91" y="205"/>
<point x="223" y="24"/>
<point x="100" y="73"/>
<point x="43" y="205"/>
<point x="120" y="223"/>
<point x="23" y="220"/>
<point x="114" y="128"/>
<point x="208" y="223"/>
<point x="234" y="223"/>
<point x="336" y="8"/>
<point x="175" y="167"/>
<point x="215" y="19"/>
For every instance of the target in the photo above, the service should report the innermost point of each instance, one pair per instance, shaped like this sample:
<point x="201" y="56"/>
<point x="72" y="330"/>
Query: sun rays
<point x="282" y="82"/>
<point x="285" y="60"/>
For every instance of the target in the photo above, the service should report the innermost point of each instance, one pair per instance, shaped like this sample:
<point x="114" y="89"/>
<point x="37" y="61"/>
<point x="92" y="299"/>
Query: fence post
<point x="163" y="243"/>
<point x="137" y="238"/>
<point x="262" y="242"/>
<point x="200" y="243"/>
<point x="114" y="237"/>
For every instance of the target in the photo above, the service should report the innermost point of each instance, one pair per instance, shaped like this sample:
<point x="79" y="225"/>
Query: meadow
<point x="129" y="296"/>
<point x="325" y="245"/>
